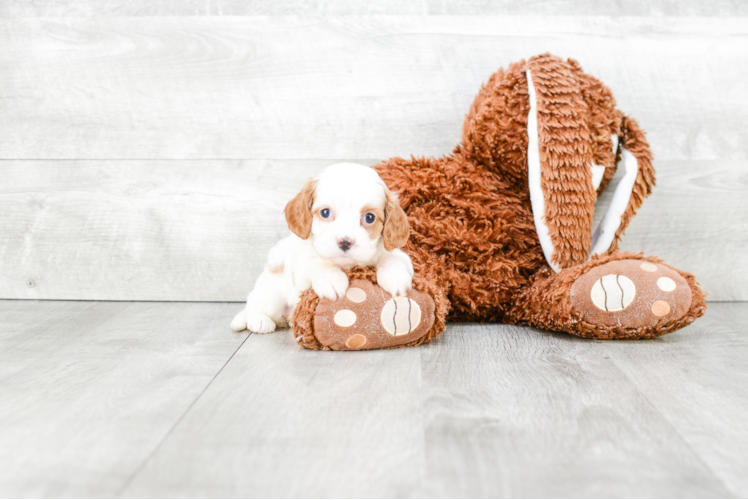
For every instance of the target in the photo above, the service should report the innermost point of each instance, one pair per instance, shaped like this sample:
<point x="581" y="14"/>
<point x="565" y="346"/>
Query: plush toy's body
<point x="502" y="227"/>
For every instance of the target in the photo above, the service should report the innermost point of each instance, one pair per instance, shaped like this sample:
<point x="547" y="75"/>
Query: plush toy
<point x="501" y="229"/>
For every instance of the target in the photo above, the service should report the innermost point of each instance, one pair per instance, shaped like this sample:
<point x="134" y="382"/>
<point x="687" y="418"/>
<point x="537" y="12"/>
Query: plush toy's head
<point x="349" y="215"/>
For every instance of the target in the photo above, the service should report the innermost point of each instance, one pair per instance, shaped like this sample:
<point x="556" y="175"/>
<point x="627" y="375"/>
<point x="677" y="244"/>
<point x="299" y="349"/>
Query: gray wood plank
<point x="147" y="230"/>
<point x="89" y="389"/>
<point x="92" y="8"/>
<point x="514" y="412"/>
<point x="490" y="411"/>
<point x="280" y="421"/>
<point x="201" y="230"/>
<point x="96" y="401"/>
<point x="343" y="87"/>
<point x="697" y="379"/>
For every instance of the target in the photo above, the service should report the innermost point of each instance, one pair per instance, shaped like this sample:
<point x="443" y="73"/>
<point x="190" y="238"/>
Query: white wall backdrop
<point x="147" y="148"/>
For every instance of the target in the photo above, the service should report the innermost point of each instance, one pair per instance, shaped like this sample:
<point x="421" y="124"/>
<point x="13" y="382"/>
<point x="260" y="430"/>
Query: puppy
<point x="342" y="218"/>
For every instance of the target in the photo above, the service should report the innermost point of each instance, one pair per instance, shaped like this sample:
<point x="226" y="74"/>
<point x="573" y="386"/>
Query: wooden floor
<point x="153" y="399"/>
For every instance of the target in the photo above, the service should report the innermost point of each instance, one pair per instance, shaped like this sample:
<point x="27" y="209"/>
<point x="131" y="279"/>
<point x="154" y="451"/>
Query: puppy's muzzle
<point x="345" y="244"/>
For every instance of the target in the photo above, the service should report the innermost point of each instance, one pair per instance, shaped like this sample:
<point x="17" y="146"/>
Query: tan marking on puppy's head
<point x="298" y="211"/>
<point x="374" y="229"/>
<point x="396" y="230"/>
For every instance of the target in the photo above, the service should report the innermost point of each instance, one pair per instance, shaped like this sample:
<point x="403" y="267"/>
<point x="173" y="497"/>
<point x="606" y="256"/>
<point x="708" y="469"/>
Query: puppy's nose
<point x="345" y="244"/>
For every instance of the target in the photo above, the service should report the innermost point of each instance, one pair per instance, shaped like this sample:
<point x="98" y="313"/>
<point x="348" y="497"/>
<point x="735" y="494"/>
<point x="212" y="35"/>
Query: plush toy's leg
<point x="370" y="318"/>
<point x="617" y="296"/>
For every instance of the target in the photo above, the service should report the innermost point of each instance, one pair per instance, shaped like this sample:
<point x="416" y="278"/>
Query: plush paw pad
<point x="613" y="292"/>
<point x="367" y="317"/>
<point x="400" y="316"/>
<point x="631" y="294"/>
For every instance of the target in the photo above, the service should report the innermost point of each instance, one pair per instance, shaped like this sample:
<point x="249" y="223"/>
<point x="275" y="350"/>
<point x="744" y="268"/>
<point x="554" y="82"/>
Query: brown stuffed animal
<point x="501" y="229"/>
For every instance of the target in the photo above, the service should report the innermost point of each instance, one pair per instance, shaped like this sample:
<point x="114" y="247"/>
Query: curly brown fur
<point x="469" y="231"/>
<point x="602" y="119"/>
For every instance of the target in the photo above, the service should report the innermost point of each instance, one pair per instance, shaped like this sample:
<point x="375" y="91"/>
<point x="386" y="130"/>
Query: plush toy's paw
<point x="631" y="294"/>
<point x="259" y="323"/>
<point x="367" y="317"/>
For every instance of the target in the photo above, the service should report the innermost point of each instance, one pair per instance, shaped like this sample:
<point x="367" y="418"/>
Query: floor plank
<point x="515" y="412"/>
<point x="201" y="230"/>
<point x="130" y="399"/>
<point x="92" y="8"/>
<point x="275" y="87"/>
<point x="697" y="380"/>
<point x="89" y="388"/>
<point x="142" y="230"/>
<point x="283" y="421"/>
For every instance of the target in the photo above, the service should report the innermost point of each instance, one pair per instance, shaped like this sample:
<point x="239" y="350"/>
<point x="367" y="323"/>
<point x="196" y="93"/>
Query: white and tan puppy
<point x="342" y="218"/>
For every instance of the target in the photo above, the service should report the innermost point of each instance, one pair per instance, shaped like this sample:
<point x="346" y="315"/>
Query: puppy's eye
<point x="325" y="213"/>
<point x="370" y="218"/>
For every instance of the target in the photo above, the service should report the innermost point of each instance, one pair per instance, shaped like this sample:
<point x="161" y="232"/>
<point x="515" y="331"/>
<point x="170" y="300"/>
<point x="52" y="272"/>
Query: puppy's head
<point x="349" y="213"/>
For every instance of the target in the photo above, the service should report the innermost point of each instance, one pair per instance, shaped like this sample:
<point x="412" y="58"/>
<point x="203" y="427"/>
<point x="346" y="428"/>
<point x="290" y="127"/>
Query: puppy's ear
<point x="299" y="210"/>
<point x="395" y="231"/>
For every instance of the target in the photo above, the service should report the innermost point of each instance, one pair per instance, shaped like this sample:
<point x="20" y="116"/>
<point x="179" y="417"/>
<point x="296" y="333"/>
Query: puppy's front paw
<point x="395" y="280"/>
<point x="239" y="322"/>
<point x="330" y="285"/>
<point x="259" y="323"/>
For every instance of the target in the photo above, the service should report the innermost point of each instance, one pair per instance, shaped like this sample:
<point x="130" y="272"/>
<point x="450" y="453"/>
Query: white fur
<point x="318" y="261"/>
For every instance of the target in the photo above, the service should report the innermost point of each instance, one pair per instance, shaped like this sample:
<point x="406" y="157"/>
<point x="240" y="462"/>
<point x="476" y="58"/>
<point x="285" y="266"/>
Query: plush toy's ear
<point x="396" y="230"/>
<point x="298" y="211"/>
<point x="558" y="162"/>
